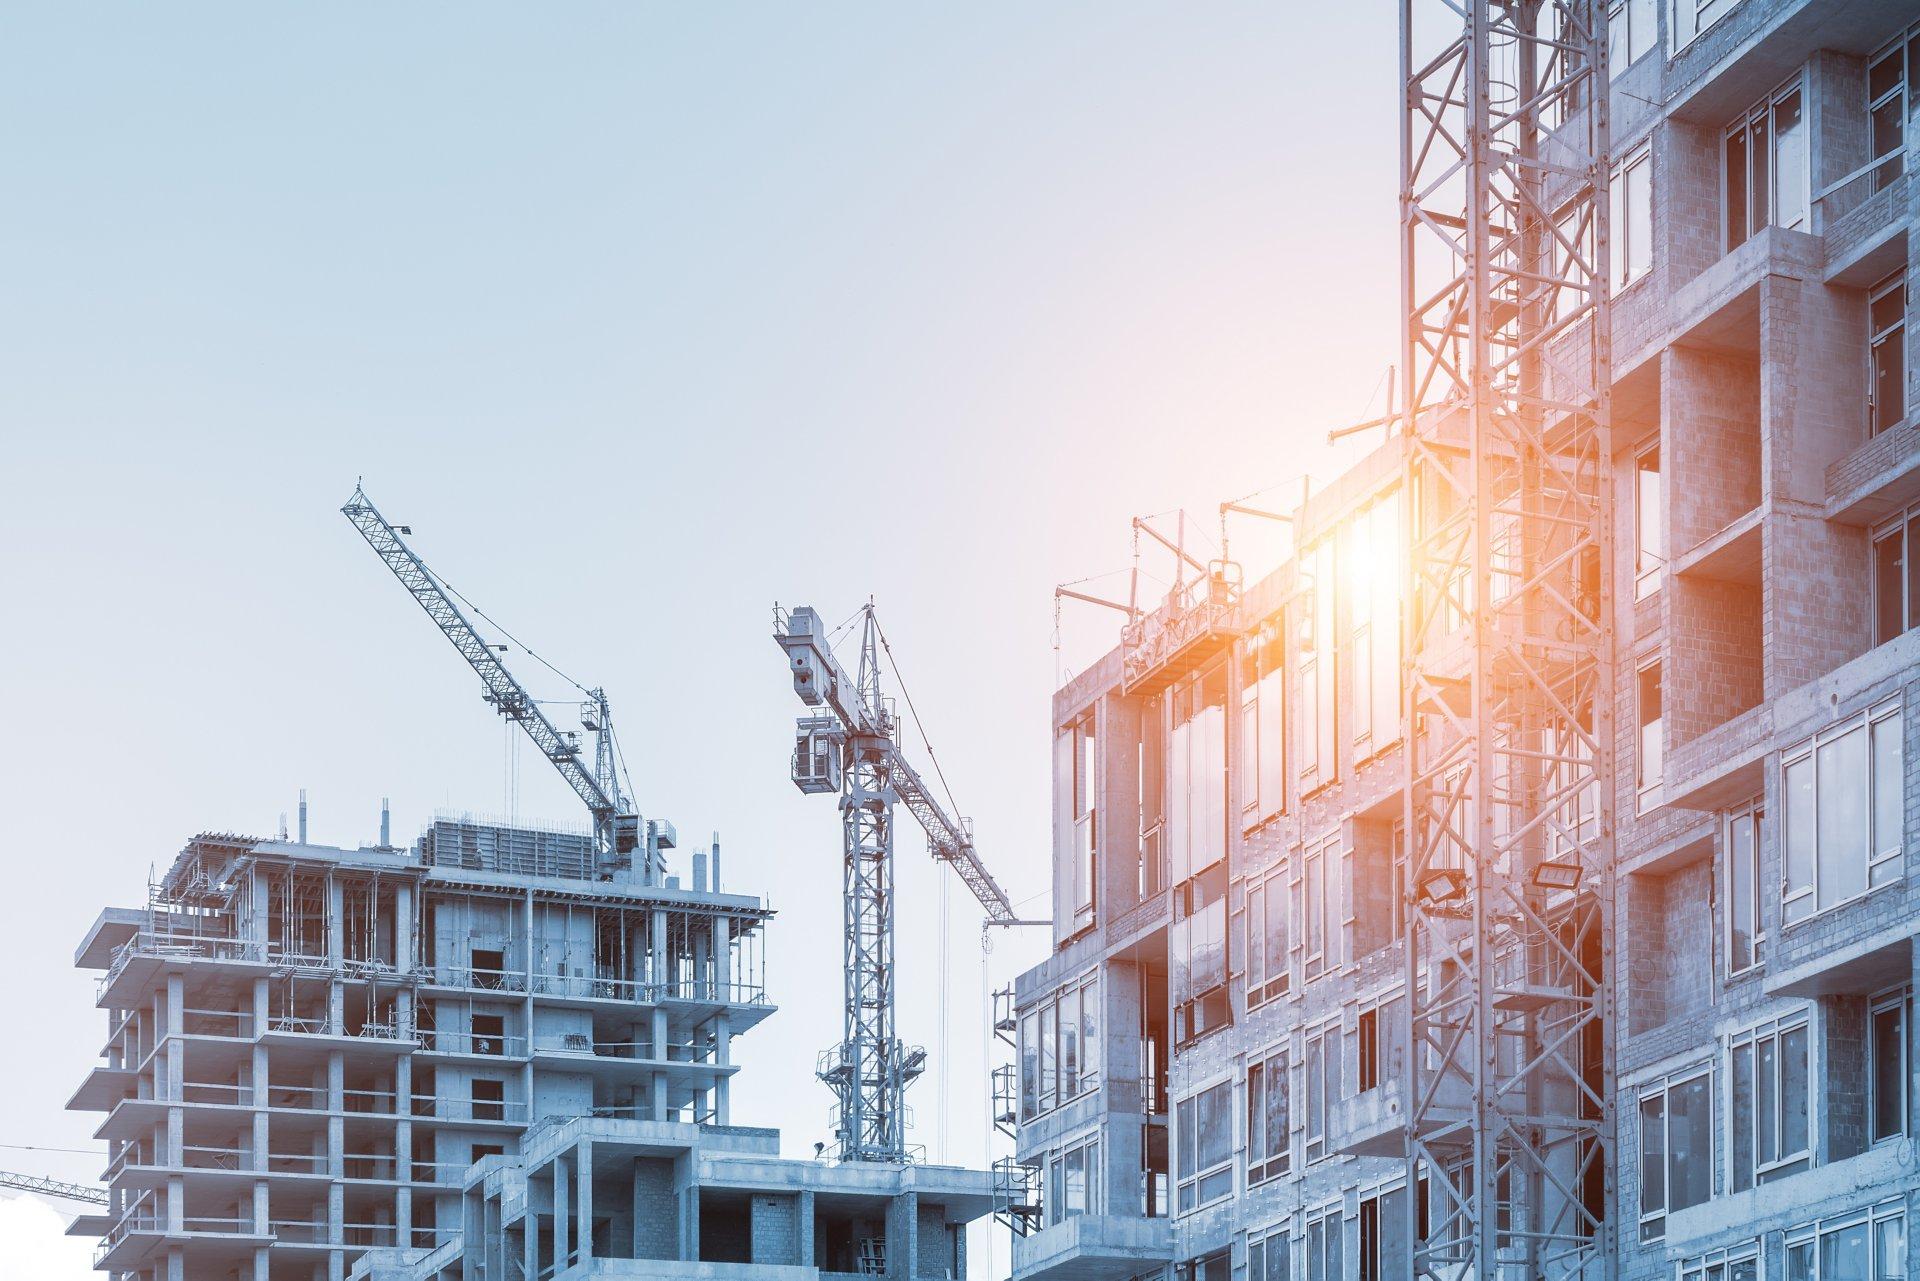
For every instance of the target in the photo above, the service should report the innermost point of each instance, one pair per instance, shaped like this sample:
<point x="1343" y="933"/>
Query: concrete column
<point x="562" y="1215"/>
<point x="903" y="1235"/>
<point x="803" y="1227"/>
<point x="336" y="920"/>
<point x="723" y="957"/>
<point x="723" y="1055"/>
<point x="530" y="1246"/>
<point x="583" y="1199"/>
<point x="403" y="945"/>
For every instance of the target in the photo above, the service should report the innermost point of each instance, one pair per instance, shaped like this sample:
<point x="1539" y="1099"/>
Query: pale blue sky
<point x="644" y="317"/>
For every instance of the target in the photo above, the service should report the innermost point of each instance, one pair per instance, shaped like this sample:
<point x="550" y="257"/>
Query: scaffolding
<point x="1508" y="706"/>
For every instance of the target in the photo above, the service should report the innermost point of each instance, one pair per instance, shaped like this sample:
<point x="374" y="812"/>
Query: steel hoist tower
<point x="849" y="746"/>
<point x="1509" y="689"/>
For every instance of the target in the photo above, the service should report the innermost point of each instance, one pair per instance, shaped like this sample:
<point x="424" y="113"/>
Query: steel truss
<point x="1509" y="693"/>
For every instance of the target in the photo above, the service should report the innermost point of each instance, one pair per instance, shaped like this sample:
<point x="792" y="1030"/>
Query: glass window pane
<point x="1766" y="1081"/>
<point x="1889" y="798"/>
<point x="1793" y="1091"/>
<point x="1741" y="1159"/>
<point x="1889" y="128"/>
<point x="1790" y="171"/>
<point x="1912" y="615"/>
<point x="1742" y="917"/>
<point x="1841" y="767"/>
<point x="1843" y="1254"/>
<point x="1736" y="188"/>
<point x="1653" y="1154"/>
<point x="1889" y="586"/>
<point x="1887" y="1035"/>
<point x="1799" y="829"/>
<point x="1690" y="1143"/>
<point x="1890" y="1250"/>
<point x="1760" y="150"/>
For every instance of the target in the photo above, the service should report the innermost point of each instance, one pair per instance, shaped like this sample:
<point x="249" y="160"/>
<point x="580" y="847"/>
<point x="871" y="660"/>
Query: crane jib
<point x="503" y="690"/>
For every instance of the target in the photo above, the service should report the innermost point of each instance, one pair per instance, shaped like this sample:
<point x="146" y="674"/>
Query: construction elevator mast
<point x="1509" y="691"/>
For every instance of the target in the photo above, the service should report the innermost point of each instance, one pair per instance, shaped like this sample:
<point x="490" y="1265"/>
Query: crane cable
<point x="913" y="711"/>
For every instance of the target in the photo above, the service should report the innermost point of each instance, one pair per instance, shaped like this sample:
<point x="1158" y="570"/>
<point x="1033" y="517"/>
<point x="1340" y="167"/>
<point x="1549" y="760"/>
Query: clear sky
<point x="644" y="317"/>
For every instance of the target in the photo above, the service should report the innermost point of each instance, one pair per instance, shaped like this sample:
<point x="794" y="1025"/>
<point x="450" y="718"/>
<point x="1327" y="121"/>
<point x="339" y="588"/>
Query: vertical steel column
<point x="1508" y="697"/>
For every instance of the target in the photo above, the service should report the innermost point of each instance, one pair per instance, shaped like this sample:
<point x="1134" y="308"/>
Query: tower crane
<point x="53" y="1187"/>
<point x="616" y="826"/>
<point x="848" y="746"/>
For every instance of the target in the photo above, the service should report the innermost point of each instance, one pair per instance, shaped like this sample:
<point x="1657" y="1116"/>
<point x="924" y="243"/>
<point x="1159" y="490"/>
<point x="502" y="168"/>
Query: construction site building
<point x="599" y="1197"/>
<point x="308" y="1047"/>
<point x="1211" y="1068"/>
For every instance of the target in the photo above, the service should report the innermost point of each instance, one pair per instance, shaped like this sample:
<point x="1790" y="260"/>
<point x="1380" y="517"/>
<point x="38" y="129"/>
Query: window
<point x="481" y="1151"/>
<point x="1767" y="1112"/>
<point x="1268" y="973"/>
<point x="1323" y="1086"/>
<point x="1691" y="17"/>
<point x="1269" y="1141"/>
<point x="1060" y="1047"/>
<point x="1370" y="577"/>
<point x="1887" y="94"/>
<point x="1030" y="1064"/>
<point x="1195" y="834"/>
<point x="1888" y="1017"/>
<point x="1320" y="895"/>
<point x="1268" y="1257"/>
<point x="1632" y="218"/>
<point x="1867" y="1246"/>
<point x="1076" y="769"/>
<point x="1676" y="1149"/>
<point x="1887" y="353"/>
<point x="1325" y="1240"/>
<point x="1736" y="1263"/>
<point x="1742" y="845"/>
<point x="1197" y="953"/>
<point x="489" y="1100"/>
<point x="489" y="967"/>
<point x="1263" y="729"/>
<point x="1203" y="1127"/>
<point x="1216" y="1267"/>
<point x="1318" y="741"/>
<point x="1766" y="166"/>
<point x="1649" y="519"/>
<point x="1377" y="1038"/>
<point x="1073" y="1181"/>
<point x="1630" y="32"/>
<point x="1382" y="1216"/>
<point x="1843" y="832"/>
<point x="1150" y="779"/>
<point x="1896" y="576"/>
<point x="1653" y="734"/>
<point x="489" y="1034"/>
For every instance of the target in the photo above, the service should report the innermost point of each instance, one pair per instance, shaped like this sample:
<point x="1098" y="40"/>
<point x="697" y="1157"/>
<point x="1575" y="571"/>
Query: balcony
<point x="1094" y="1247"/>
<point x="1370" y="1123"/>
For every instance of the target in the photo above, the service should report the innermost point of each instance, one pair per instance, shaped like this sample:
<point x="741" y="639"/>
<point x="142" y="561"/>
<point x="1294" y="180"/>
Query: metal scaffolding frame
<point x="1508" y="701"/>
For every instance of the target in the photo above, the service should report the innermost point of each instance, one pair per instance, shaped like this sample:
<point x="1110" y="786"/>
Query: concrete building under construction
<point x="1680" y="874"/>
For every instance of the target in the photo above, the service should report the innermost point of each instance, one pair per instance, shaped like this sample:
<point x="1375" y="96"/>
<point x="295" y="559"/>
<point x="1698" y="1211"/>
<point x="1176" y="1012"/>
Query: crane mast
<point x="849" y="746"/>
<point x="616" y="828"/>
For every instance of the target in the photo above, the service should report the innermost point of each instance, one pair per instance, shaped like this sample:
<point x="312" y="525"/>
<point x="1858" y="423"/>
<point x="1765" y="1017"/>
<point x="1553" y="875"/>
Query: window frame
<point x="1753" y="814"/>
<point x="1892" y="338"/>
<point x="1743" y="126"/>
<point x="1631" y="15"/>
<point x="1275" y="1068"/>
<point x="1053" y="1200"/>
<point x="1648" y="578"/>
<point x="1649" y="780"/>
<point x="1326" y="1073"/>
<point x="1807" y="751"/>
<point x="1898" y="999"/>
<point x="1040" y="1045"/>
<point x="1653" y="1222"/>
<point x="1715" y="1265"/>
<point x="1890" y="166"/>
<point x="1269" y="962"/>
<point x="1621" y="270"/>
<point x="1810" y="1235"/>
<point x="1185" y="1181"/>
<point x="1739" y="1176"/>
